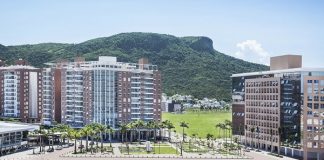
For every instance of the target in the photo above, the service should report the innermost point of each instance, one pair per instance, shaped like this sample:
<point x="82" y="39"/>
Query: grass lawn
<point x="155" y="150"/>
<point x="193" y="148"/>
<point x="200" y="123"/>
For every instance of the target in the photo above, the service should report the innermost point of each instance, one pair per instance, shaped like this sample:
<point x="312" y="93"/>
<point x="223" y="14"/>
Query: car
<point x="59" y="148"/>
<point x="50" y="150"/>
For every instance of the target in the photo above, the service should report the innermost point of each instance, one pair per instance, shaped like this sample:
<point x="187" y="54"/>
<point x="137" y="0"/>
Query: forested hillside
<point x="189" y="65"/>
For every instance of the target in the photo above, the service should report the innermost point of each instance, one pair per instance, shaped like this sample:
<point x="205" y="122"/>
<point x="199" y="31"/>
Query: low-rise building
<point x="14" y="135"/>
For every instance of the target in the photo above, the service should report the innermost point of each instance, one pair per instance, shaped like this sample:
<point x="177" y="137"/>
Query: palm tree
<point x="183" y="124"/>
<point x="252" y="131"/>
<point x="69" y="134"/>
<point x="40" y="134"/>
<point x="82" y="134"/>
<point x="123" y="130"/>
<point x="87" y="131"/>
<point x="222" y="126"/>
<point x="93" y="134"/>
<point x="110" y="131"/>
<point x="228" y="125"/>
<point x="51" y="132"/>
<point x="156" y="126"/>
<point x="169" y="125"/>
<point x="219" y="126"/>
<point x="75" y="135"/>
<point x="131" y="126"/>
<point x="102" y="129"/>
<point x="139" y="124"/>
<point x="149" y="125"/>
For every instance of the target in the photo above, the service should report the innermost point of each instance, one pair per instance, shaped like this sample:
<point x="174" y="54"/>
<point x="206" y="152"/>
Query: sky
<point x="251" y="30"/>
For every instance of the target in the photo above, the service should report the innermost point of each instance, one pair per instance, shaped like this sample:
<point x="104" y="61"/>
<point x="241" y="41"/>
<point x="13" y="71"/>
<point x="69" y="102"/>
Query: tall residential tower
<point x="105" y="91"/>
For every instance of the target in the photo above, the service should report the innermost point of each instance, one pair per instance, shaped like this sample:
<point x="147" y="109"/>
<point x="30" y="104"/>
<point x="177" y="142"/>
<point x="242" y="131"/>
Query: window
<point x="316" y="81"/>
<point x="309" y="81"/>
<point x="322" y="106"/>
<point x="310" y="105"/>
<point x="316" y="105"/>
<point x="322" y="82"/>
<point x="322" y="98"/>
<point x="309" y="90"/>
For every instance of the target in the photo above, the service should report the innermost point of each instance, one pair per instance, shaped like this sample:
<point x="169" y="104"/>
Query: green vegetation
<point x="200" y="123"/>
<point x="189" y="65"/>
<point x="194" y="148"/>
<point x="163" y="149"/>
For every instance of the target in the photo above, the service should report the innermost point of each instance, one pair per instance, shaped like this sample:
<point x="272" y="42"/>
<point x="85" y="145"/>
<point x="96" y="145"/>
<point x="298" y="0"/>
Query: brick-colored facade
<point x="21" y="89"/>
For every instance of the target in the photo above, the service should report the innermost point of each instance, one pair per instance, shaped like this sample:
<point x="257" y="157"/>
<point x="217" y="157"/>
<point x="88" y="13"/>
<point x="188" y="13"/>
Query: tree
<point x="252" y="131"/>
<point x="131" y="127"/>
<point x="102" y="129"/>
<point x="139" y="124"/>
<point x="169" y="125"/>
<point x="75" y="135"/>
<point x="69" y="134"/>
<point x="110" y="130"/>
<point x="93" y="134"/>
<point x="184" y="125"/>
<point x="219" y="126"/>
<point x="123" y="130"/>
<point x="228" y="125"/>
<point x="209" y="137"/>
<point x="86" y="131"/>
<point x="51" y="132"/>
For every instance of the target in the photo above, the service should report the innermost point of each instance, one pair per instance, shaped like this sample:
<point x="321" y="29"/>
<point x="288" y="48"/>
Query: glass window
<point x="309" y="90"/>
<point x="316" y="105"/>
<point x="310" y="105"/>
<point x="309" y="81"/>
<point x="316" y="81"/>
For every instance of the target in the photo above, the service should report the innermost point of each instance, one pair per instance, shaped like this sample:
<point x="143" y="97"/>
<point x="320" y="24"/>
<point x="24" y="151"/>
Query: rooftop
<point x="18" y="67"/>
<point x="279" y="71"/>
<point x="7" y="127"/>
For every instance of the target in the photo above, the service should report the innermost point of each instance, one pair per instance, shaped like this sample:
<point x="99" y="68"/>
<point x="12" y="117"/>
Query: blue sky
<point x="252" y="30"/>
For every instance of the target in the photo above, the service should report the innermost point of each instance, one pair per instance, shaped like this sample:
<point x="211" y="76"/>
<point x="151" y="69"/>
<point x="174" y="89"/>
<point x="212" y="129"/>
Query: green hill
<point x="189" y="65"/>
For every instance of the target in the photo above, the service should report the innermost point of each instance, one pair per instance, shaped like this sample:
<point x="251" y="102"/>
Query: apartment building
<point x="106" y="91"/>
<point x="20" y="92"/>
<point x="281" y="106"/>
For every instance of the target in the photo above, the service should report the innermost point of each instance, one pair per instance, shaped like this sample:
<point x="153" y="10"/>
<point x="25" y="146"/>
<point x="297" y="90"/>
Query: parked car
<point x="50" y="150"/>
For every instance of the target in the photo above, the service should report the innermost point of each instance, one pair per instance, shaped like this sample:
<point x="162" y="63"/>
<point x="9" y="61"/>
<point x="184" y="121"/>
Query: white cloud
<point x="252" y="51"/>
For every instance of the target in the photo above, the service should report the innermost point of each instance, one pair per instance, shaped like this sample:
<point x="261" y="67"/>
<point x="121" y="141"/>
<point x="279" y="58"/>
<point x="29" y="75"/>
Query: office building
<point x="281" y="107"/>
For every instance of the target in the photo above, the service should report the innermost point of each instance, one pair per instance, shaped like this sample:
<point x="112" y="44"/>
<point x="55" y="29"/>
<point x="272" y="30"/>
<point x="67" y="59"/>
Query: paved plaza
<point x="66" y="154"/>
